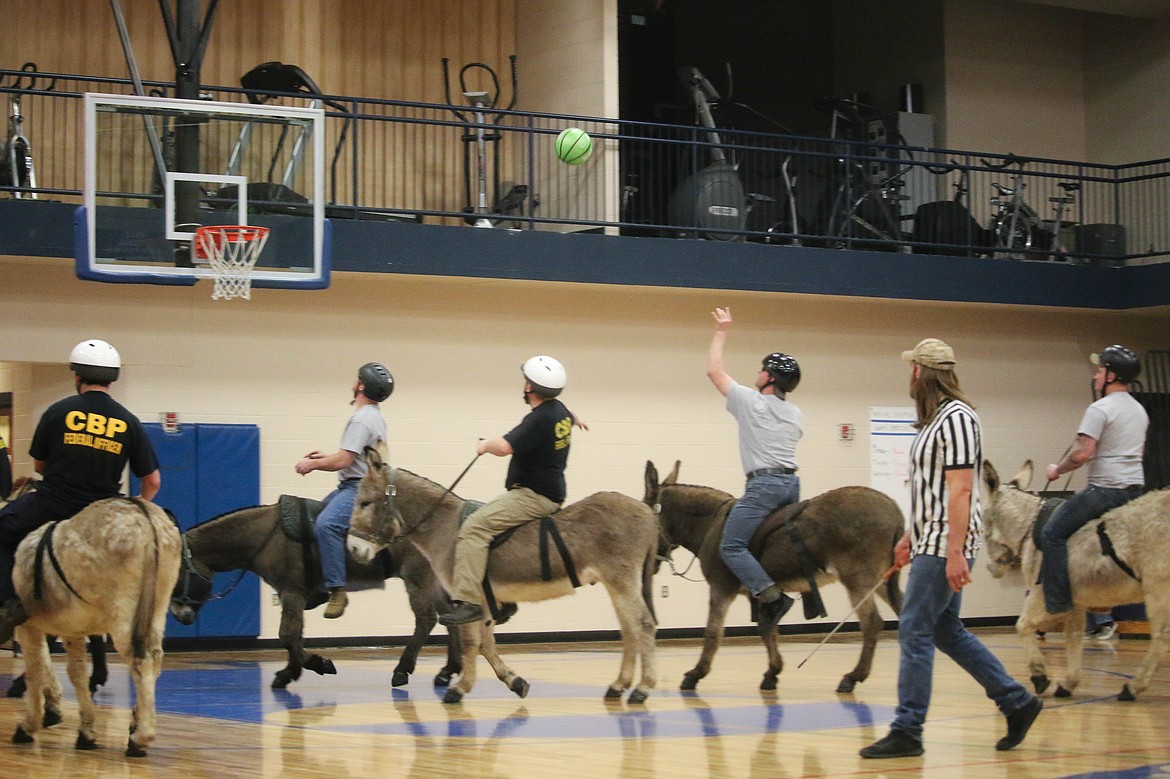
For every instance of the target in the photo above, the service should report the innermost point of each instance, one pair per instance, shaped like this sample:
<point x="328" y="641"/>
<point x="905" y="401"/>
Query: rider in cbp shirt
<point x="86" y="442"/>
<point x="540" y="450"/>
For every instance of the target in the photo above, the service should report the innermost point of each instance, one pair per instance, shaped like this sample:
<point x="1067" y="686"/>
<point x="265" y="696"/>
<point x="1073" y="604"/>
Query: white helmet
<point x="95" y="361"/>
<point x="546" y="375"/>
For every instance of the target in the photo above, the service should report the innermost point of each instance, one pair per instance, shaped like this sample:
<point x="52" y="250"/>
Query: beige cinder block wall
<point x="635" y="357"/>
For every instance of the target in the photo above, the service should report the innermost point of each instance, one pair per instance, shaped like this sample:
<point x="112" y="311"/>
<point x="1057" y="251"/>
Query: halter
<point x="188" y="567"/>
<point x="657" y="507"/>
<point x="376" y="537"/>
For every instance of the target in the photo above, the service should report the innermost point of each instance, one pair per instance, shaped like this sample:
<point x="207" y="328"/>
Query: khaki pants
<point x="514" y="507"/>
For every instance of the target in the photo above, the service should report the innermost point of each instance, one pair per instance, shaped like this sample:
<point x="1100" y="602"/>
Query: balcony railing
<point x="420" y="160"/>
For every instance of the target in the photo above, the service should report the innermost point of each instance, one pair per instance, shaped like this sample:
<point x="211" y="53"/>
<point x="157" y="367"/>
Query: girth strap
<point x="813" y="605"/>
<point x="548" y="530"/>
<point x="45" y="547"/>
<point x="1109" y="550"/>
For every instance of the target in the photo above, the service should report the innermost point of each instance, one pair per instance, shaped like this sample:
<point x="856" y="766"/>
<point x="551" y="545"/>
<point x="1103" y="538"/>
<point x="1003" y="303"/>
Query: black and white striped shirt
<point x="953" y="439"/>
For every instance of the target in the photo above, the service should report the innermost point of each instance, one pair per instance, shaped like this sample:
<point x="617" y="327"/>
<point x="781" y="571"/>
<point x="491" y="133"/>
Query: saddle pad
<point x="297" y="516"/>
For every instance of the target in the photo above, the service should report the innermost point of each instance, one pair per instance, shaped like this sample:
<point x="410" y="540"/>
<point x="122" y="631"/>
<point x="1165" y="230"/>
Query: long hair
<point x="931" y="389"/>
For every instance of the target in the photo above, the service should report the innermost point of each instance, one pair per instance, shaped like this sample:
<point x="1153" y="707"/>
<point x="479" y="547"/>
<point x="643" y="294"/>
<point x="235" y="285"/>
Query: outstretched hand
<point x="722" y="318"/>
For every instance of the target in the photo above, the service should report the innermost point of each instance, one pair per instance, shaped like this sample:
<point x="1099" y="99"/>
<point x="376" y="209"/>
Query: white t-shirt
<point x="769" y="428"/>
<point x="1118" y="423"/>
<point x="365" y="428"/>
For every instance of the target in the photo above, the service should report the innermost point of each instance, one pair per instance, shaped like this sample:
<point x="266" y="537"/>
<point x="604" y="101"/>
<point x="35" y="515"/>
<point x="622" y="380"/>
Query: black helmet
<point x="783" y="369"/>
<point x="1125" y="364"/>
<point x="376" y="380"/>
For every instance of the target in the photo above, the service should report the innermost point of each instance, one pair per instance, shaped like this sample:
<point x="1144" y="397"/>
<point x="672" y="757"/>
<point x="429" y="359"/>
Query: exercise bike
<point x="711" y="201"/>
<point x="1019" y="230"/>
<point x="17" y="169"/>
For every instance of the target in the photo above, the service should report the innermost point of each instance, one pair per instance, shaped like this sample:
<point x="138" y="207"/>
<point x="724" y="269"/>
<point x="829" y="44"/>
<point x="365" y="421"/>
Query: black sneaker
<point x="1018" y="723"/>
<point x="769" y="614"/>
<point x="897" y="743"/>
<point x="462" y="613"/>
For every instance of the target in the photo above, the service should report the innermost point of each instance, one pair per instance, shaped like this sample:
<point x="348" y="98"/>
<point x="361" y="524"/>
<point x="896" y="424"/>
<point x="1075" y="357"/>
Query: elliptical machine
<point x="478" y="135"/>
<point x="711" y="200"/>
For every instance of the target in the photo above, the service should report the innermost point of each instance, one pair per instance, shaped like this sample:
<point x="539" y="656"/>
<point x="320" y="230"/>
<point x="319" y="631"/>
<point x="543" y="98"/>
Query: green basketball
<point x="574" y="146"/>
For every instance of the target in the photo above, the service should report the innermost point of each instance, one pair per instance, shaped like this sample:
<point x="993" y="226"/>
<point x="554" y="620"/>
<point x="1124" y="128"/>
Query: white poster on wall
<point x="890" y="434"/>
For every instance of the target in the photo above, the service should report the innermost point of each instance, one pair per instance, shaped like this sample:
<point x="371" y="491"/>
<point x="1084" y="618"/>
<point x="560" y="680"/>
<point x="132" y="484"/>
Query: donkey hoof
<point x="1126" y="695"/>
<point x="1061" y="692"/>
<point x="134" y="749"/>
<point x="98" y="679"/>
<point x="453" y="696"/>
<point x="443" y="679"/>
<point x="320" y="665"/>
<point x="638" y="696"/>
<point x="52" y="717"/>
<point x="281" y="681"/>
<point x="613" y="694"/>
<point x="399" y="678"/>
<point x="519" y="686"/>
<point x="847" y="684"/>
<point x="21" y="736"/>
<point x="85" y="742"/>
<point x="1040" y="683"/>
<point x="689" y="682"/>
<point x="17" y="688"/>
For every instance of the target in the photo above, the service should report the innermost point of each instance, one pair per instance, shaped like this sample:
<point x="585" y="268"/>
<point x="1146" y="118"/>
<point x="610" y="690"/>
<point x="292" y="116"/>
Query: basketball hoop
<point x="231" y="251"/>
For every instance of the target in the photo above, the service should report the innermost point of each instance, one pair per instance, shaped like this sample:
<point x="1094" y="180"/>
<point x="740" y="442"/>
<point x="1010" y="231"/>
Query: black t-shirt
<point x="540" y="450"/>
<point x="86" y="441"/>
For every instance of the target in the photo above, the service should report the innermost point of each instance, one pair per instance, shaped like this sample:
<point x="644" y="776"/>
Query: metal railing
<point x="419" y="160"/>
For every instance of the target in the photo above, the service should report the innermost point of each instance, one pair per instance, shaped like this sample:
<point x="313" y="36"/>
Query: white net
<point x="231" y="251"/>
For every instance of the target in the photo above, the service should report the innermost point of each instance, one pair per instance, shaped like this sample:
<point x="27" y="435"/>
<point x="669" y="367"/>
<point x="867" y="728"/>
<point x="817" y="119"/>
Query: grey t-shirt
<point x="1118" y="423"/>
<point x="769" y="428"/>
<point x="365" y="428"/>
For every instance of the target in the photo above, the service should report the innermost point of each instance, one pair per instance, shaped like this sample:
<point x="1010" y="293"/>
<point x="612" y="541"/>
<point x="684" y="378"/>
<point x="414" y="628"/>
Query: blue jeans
<point x="331" y="529"/>
<point x="930" y="619"/>
<point x="1082" y="508"/>
<point x="761" y="496"/>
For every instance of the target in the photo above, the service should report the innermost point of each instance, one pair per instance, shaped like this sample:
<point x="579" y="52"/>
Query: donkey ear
<point x="650" y="480"/>
<point x="672" y="477"/>
<point x="1024" y="477"/>
<point x="374" y="457"/>
<point x="990" y="476"/>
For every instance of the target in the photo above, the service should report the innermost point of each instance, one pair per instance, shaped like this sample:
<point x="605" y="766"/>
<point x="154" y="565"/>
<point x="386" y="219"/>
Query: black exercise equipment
<point x="478" y="135"/>
<point x="947" y="224"/>
<point x="711" y="200"/>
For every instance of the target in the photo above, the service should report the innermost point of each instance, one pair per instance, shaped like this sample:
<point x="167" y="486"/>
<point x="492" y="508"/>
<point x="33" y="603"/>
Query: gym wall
<point x="635" y="355"/>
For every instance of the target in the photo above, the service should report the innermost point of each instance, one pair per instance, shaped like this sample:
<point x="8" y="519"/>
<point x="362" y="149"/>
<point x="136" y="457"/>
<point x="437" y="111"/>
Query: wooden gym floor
<point x="219" y="718"/>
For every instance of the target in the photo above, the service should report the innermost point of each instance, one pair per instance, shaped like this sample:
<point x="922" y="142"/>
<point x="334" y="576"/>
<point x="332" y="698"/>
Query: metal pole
<point x="132" y="63"/>
<point x="885" y="577"/>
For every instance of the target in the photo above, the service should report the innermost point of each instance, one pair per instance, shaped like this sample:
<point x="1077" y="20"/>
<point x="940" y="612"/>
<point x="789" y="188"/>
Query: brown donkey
<point x="849" y="534"/>
<point x="611" y="539"/>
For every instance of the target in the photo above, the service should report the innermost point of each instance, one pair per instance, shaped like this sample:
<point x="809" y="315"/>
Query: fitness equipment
<point x="17" y="169"/>
<point x="1017" y="227"/>
<point x="949" y="222"/>
<point x="478" y="135"/>
<point x="712" y="199"/>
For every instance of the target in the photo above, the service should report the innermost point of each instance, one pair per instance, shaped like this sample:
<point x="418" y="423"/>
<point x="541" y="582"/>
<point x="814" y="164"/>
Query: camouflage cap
<point x="932" y="353"/>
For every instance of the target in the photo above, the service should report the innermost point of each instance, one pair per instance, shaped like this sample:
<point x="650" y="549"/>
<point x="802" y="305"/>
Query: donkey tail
<point x="648" y="566"/>
<point x="893" y="588"/>
<point x="144" y="611"/>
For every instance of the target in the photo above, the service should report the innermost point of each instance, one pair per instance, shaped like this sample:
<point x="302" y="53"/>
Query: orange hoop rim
<point x="230" y="233"/>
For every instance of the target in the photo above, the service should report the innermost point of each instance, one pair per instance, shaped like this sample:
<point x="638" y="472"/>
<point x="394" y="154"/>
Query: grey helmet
<point x="783" y="369"/>
<point x="95" y="361"/>
<point x="376" y="380"/>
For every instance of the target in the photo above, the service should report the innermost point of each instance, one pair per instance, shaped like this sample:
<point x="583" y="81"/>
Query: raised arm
<point x="715" y="370"/>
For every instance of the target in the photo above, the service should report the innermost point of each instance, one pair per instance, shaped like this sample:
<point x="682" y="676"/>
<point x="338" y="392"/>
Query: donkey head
<point x="192" y="589"/>
<point x="653" y="499"/>
<point x="1007" y="517"/>
<point x="374" y="522"/>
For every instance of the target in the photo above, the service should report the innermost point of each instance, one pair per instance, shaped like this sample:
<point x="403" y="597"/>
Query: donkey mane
<point x="225" y="514"/>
